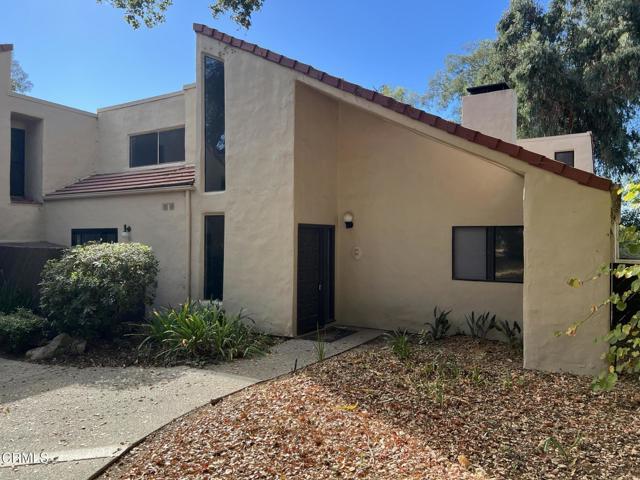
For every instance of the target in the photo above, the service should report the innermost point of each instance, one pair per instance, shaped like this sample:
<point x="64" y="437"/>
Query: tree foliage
<point x="402" y="94"/>
<point x="152" y="12"/>
<point x="19" y="79"/>
<point x="575" y="66"/>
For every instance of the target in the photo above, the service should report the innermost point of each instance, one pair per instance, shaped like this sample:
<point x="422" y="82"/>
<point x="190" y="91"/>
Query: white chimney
<point x="492" y="110"/>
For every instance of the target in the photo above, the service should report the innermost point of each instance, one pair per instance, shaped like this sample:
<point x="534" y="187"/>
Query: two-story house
<point x="304" y="199"/>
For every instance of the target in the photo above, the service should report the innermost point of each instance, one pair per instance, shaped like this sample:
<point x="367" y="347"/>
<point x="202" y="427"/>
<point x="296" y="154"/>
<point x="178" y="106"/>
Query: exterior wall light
<point x="348" y="219"/>
<point x="126" y="233"/>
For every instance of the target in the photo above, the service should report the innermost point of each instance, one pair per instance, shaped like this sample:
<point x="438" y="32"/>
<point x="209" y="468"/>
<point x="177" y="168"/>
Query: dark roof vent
<point x="494" y="87"/>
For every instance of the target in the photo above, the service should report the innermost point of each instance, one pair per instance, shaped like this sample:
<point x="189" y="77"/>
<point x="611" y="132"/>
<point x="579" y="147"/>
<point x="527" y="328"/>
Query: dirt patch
<point x="456" y="409"/>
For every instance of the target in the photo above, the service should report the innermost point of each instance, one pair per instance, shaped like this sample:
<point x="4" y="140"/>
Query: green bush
<point x="92" y="289"/>
<point x="202" y="330"/>
<point x="21" y="330"/>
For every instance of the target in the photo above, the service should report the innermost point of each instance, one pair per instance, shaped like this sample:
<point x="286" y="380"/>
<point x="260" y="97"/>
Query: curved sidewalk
<point x="87" y="416"/>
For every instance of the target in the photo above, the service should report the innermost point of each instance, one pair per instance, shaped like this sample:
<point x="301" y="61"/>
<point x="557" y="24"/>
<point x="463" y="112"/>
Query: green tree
<point x="19" y="79"/>
<point x="152" y="12"/>
<point x="402" y="94"/>
<point x="575" y="65"/>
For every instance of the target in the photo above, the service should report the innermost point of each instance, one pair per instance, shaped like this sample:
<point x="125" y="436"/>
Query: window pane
<point x="214" y="256"/>
<point x="470" y="253"/>
<point x="214" y="125"/>
<point x="17" y="167"/>
<point x="509" y="250"/>
<point x="144" y="150"/>
<point x="565" y="157"/>
<point x="80" y="236"/>
<point x="171" y="144"/>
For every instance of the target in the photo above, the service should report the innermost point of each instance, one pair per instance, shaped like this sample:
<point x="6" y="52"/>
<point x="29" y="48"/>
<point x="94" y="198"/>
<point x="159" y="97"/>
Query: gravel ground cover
<point x="456" y="409"/>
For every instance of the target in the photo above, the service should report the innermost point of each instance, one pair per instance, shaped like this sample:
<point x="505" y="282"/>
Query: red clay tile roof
<point x="6" y="47"/>
<point x="163" y="177"/>
<point x="515" y="151"/>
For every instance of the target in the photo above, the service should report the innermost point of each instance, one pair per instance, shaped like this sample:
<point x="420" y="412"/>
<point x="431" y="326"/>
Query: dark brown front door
<point x="315" y="276"/>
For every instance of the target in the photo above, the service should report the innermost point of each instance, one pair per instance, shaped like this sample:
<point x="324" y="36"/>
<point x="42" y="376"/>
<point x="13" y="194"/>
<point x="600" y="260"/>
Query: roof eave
<point x="117" y="193"/>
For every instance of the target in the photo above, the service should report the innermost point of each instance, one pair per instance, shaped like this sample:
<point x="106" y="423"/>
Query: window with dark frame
<point x="213" y="257"/>
<point x="17" y="172"/>
<point x="166" y="146"/>
<point x="80" y="236"/>
<point x="214" y="125"/>
<point x="565" y="157"/>
<point x="489" y="254"/>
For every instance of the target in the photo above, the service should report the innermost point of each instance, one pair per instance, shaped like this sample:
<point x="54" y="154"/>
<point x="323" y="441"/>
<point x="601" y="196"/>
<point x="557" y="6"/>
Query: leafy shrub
<point x="12" y="298"/>
<point x="197" y="330"/>
<point x="512" y="332"/>
<point x="400" y="345"/>
<point x="440" y="326"/>
<point x="91" y="289"/>
<point x="480" y="325"/>
<point x="21" y="330"/>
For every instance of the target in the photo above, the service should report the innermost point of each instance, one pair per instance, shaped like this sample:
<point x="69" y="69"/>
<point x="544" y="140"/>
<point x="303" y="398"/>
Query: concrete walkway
<point x="85" y="417"/>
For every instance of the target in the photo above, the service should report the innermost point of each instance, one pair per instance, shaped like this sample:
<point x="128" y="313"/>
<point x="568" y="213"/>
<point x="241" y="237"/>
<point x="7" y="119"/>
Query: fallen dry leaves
<point x="365" y="414"/>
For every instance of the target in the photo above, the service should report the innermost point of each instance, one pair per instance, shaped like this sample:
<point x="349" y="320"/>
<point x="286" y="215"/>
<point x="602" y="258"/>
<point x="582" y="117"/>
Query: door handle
<point x="319" y="287"/>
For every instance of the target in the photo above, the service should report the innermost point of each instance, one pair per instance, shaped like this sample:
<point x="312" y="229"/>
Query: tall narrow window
<point x="214" y="256"/>
<point x="490" y="254"/>
<point x="214" y="142"/>
<point x="17" y="172"/>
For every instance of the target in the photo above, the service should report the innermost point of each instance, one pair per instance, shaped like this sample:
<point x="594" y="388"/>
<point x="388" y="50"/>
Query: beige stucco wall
<point x="117" y="123"/>
<point x="163" y="230"/>
<point x="493" y="113"/>
<point x="567" y="234"/>
<point x="406" y="192"/>
<point x="315" y="165"/>
<point x="586" y="225"/>
<point x="258" y="201"/>
<point x="69" y="140"/>
<point x="18" y="222"/>
<point x="68" y="149"/>
<point x="580" y="143"/>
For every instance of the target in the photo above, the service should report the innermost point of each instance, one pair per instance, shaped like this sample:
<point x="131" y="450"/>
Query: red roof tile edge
<point x="6" y="47"/>
<point x="163" y="177"/>
<point x="514" y="151"/>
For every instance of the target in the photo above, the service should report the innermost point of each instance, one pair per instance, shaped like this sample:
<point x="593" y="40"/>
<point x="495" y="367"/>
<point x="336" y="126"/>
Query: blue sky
<point x="82" y="54"/>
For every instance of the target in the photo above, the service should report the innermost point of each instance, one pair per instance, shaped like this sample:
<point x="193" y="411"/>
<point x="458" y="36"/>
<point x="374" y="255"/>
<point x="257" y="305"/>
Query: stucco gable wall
<point x="258" y="201"/>
<point x="556" y="212"/>
<point x="406" y="192"/>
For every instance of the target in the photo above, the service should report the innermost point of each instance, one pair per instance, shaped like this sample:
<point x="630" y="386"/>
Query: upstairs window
<point x="166" y="146"/>
<point x="17" y="168"/>
<point x="214" y="141"/>
<point x="564" y="157"/>
<point x="490" y="254"/>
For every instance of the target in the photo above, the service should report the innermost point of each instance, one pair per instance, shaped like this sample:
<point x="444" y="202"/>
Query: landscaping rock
<point x="60" y="345"/>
